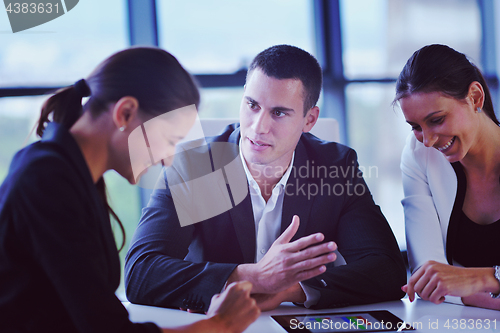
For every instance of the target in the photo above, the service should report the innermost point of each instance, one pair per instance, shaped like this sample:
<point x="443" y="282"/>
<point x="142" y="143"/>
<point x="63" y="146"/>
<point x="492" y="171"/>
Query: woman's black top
<point x="471" y="244"/>
<point x="59" y="267"/>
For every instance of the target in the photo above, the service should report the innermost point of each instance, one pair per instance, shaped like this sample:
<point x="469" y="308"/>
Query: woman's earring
<point x="122" y="128"/>
<point x="478" y="109"/>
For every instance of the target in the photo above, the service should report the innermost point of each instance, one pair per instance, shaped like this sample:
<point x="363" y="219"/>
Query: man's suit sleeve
<point x="155" y="271"/>
<point x="375" y="269"/>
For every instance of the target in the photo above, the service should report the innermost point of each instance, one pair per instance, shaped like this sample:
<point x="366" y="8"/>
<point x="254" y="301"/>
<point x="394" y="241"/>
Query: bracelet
<point x="497" y="276"/>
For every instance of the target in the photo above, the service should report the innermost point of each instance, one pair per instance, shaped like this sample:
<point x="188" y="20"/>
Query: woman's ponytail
<point x="65" y="106"/>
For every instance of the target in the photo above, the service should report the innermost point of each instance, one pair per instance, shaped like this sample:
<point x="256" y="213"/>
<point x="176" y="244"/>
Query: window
<point x="17" y="118"/>
<point x="220" y="102"/>
<point x="379" y="36"/>
<point x="63" y="50"/>
<point x="223" y="36"/>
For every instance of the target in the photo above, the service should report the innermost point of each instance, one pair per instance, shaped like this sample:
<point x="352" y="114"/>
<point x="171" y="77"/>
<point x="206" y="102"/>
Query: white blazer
<point x="430" y="188"/>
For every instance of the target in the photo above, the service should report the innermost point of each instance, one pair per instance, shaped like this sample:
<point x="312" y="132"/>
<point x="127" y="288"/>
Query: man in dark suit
<point x="306" y="197"/>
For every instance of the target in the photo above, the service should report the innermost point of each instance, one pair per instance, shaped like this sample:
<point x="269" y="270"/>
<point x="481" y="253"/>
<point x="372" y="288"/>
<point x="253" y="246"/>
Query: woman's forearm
<point x="482" y="300"/>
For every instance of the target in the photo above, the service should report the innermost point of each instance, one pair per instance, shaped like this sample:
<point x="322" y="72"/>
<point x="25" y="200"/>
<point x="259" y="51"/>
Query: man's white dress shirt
<point x="267" y="218"/>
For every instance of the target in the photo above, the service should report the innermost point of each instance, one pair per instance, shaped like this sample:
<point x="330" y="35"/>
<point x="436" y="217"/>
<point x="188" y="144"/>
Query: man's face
<point x="272" y="119"/>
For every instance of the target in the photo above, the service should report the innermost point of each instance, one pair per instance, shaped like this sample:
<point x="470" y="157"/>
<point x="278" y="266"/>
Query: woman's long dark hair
<point x="151" y="75"/>
<point x="439" y="68"/>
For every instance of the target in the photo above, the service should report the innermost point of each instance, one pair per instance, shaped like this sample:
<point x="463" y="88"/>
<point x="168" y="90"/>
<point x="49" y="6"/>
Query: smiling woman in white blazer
<point x="451" y="179"/>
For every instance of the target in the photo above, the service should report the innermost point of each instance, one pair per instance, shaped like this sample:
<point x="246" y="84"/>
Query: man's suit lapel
<point x="296" y="201"/>
<point x="242" y="218"/>
<point x="244" y="226"/>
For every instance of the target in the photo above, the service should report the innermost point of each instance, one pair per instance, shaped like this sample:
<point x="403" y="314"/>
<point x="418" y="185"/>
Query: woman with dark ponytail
<point x="451" y="179"/>
<point x="59" y="267"/>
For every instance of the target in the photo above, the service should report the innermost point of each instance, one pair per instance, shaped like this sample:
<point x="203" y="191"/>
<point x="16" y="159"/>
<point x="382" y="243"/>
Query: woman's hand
<point x="229" y="312"/>
<point x="433" y="281"/>
<point x="233" y="310"/>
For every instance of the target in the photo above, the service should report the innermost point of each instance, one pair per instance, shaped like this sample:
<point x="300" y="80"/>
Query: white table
<point x="421" y="314"/>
